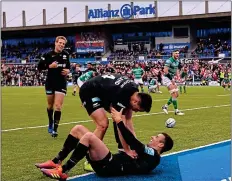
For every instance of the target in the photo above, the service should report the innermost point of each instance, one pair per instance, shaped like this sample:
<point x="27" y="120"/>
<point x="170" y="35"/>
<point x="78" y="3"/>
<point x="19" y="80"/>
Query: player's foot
<point x="88" y="167"/>
<point x="50" y="130"/>
<point x="54" y="134"/>
<point x="48" y="164"/>
<point x="55" y="173"/>
<point x="160" y="92"/>
<point x="165" y="109"/>
<point x="73" y="94"/>
<point x="179" y="113"/>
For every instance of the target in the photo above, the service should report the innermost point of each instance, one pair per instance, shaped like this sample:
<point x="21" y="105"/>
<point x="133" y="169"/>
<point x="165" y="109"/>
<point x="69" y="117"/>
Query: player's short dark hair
<point x="175" y="51"/>
<point x="146" y="101"/>
<point x="168" y="143"/>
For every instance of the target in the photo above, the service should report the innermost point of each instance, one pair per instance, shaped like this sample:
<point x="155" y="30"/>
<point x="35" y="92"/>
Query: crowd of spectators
<point x="28" y="52"/>
<point x="212" y="47"/>
<point x="28" y="75"/>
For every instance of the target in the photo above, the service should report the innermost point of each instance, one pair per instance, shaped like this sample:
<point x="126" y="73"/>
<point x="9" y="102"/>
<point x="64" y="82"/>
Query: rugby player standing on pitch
<point x="58" y="66"/>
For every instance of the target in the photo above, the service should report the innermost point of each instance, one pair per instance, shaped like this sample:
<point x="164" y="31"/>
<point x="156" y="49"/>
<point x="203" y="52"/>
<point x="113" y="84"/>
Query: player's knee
<point x="103" y="126"/>
<point x="58" y="107"/>
<point x="76" y="129"/>
<point x="174" y="95"/>
<point x="89" y="136"/>
<point x="50" y="106"/>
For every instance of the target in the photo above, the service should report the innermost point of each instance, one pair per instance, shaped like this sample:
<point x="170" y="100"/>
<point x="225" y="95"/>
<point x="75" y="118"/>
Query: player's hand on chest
<point x="60" y="59"/>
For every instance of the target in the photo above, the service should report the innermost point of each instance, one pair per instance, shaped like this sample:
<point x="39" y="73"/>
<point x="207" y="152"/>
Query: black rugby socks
<point x="69" y="144"/>
<point x="57" y="115"/>
<point x="79" y="153"/>
<point x="50" y="117"/>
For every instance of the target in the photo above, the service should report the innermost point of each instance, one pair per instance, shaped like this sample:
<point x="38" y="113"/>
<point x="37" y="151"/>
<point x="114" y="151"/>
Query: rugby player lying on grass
<point x="105" y="163"/>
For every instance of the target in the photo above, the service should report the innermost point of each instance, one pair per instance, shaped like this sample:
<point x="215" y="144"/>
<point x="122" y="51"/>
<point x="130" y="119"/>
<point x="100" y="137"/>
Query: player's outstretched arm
<point x="126" y="134"/>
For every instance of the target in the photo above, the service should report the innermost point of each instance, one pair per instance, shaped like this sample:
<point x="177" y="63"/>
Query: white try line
<point x="157" y="100"/>
<point x="138" y="115"/>
<point x="170" y="154"/>
<point x="224" y="95"/>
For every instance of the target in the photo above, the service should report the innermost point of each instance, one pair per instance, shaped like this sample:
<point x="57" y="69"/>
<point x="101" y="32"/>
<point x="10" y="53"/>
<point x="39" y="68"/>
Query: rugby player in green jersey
<point x="138" y="74"/>
<point x="171" y="69"/>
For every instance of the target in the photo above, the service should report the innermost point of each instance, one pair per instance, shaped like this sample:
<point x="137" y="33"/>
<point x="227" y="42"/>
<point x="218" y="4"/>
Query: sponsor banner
<point x="90" y="46"/>
<point x="126" y="11"/>
<point x="173" y="46"/>
<point x="214" y="83"/>
<point x="90" y="49"/>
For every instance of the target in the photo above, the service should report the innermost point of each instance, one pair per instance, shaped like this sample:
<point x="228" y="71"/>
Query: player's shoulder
<point x="64" y="52"/>
<point x="168" y="61"/>
<point x="45" y="54"/>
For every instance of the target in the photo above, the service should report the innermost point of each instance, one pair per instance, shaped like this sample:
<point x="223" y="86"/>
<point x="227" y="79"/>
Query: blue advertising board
<point x="90" y="46"/>
<point x="173" y="46"/>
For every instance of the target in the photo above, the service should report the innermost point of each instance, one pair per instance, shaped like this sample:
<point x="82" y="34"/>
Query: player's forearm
<point x="123" y="142"/>
<point x="130" y="126"/>
<point x="165" y="70"/>
<point x="130" y="138"/>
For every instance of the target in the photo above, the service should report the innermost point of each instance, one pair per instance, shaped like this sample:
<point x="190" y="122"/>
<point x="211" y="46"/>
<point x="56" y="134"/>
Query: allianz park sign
<point x="125" y="12"/>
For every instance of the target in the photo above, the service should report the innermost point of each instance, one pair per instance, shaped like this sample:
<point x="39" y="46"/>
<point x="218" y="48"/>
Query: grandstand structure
<point x="200" y="35"/>
<point x="205" y="49"/>
<point x="204" y="37"/>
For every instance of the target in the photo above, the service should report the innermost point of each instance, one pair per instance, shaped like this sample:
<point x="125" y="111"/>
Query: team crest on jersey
<point x="121" y="105"/>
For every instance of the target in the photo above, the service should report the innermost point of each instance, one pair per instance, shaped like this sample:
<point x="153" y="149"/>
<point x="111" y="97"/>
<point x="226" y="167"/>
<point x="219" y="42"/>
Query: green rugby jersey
<point x="173" y="66"/>
<point x="226" y="80"/>
<point x="86" y="76"/>
<point x="138" y="72"/>
<point x="152" y="82"/>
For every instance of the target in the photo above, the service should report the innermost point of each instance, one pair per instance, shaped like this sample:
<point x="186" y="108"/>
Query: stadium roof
<point x="144" y="20"/>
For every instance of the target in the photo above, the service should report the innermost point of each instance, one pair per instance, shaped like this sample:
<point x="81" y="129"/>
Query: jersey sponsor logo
<point x="64" y="57"/>
<point x="96" y="99"/>
<point x="63" y="90"/>
<point x="61" y="65"/>
<point x="121" y="105"/>
<point x="149" y="151"/>
<point x="49" y="92"/>
<point x="96" y="105"/>
<point x="126" y="82"/>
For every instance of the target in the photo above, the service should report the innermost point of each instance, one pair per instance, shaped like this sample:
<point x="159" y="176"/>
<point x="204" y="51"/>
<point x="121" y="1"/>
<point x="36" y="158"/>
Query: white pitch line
<point x="224" y="95"/>
<point x="170" y="154"/>
<point x="138" y="115"/>
<point x="160" y="100"/>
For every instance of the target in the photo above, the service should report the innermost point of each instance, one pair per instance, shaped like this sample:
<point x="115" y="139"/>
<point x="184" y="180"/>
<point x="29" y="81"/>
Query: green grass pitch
<point x="25" y="108"/>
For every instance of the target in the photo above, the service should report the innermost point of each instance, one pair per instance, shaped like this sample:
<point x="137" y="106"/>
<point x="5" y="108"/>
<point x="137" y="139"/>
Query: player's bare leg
<point x="172" y="100"/>
<point x="100" y="119"/>
<point x="88" y="143"/>
<point x="74" y="90"/>
<point x="76" y="133"/>
<point x="141" y="85"/>
<point x="158" y="89"/>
